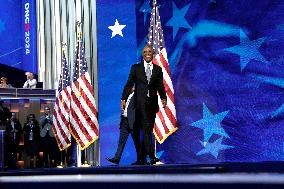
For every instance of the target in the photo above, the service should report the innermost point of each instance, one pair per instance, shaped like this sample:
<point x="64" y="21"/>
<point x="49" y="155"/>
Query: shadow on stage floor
<point x="264" y="175"/>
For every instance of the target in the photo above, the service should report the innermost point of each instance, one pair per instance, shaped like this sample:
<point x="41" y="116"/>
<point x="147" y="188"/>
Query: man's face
<point x="3" y="81"/>
<point x="30" y="76"/>
<point x="31" y="118"/>
<point x="46" y="111"/>
<point x="13" y="117"/>
<point x="148" y="54"/>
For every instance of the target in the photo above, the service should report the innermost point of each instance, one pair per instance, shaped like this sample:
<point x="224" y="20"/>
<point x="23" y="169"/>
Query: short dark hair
<point x="3" y="79"/>
<point x="30" y="115"/>
<point x="148" y="45"/>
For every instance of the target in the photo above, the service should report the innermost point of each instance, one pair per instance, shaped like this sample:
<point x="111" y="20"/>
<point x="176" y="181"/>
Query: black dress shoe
<point x="143" y="162"/>
<point x="154" y="161"/>
<point x="139" y="162"/>
<point x="113" y="160"/>
<point x="136" y="162"/>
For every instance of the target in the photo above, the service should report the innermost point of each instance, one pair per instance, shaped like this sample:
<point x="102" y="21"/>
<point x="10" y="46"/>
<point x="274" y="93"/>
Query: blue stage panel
<point x="116" y="54"/>
<point x="18" y="38"/>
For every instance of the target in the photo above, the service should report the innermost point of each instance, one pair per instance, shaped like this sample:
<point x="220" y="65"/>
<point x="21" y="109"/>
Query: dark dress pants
<point x="50" y="150"/>
<point x="123" y="136"/>
<point x="145" y="118"/>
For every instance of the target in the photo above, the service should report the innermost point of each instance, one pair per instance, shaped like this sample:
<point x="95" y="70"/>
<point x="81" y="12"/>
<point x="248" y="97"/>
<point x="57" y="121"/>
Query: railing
<point x="27" y="93"/>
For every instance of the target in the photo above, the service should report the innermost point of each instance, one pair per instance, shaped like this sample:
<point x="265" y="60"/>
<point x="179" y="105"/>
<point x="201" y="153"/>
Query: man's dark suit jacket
<point x="10" y="132"/>
<point x="5" y="114"/>
<point x="131" y="113"/>
<point x="138" y="78"/>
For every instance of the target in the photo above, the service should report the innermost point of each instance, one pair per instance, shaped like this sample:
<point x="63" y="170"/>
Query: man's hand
<point x="122" y="104"/>
<point x="164" y="103"/>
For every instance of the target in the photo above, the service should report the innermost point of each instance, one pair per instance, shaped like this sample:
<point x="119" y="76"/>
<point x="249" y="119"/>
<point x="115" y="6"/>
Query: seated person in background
<point x="31" y="81"/>
<point x="4" y="83"/>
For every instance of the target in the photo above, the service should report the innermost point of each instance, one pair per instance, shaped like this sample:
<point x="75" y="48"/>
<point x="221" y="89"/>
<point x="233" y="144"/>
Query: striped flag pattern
<point x="165" y="122"/>
<point x="61" y="111"/>
<point x="84" y="125"/>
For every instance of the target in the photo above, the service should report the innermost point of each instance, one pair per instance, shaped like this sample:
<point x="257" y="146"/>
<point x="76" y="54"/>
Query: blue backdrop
<point x="18" y="35"/>
<point x="226" y="59"/>
<point x="115" y="56"/>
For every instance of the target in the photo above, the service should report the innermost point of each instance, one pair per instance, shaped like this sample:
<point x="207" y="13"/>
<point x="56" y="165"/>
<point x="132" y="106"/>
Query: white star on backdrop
<point x="116" y="29"/>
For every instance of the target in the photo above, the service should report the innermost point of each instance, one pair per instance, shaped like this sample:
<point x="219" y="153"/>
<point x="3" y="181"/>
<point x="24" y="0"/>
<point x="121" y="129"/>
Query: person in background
<point x="126" y="127"/>
<point x="13" y="134"/>
<point x="4" y="83"/>
<point x="32" y="138"/>
<point x="5" y="115"/>
<point x="31" y="81"/>
<point x="48" y="141"/>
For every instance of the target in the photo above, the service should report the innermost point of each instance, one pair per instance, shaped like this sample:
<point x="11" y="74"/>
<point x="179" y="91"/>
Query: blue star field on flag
<point x="80" y="62"/>
<point x="64" y="80"/>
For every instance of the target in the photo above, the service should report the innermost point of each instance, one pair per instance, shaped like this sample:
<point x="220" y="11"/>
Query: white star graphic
<point x="116" y="29"/>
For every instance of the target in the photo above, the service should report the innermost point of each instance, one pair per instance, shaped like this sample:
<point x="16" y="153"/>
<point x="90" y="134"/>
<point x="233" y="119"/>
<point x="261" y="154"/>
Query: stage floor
<point x="227" y="175"/>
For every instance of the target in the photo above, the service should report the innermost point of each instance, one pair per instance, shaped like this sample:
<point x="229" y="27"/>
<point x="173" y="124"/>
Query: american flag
<point x="165" y="122"/>
<point x="62" y="108"/>
<point x="83" y="115"/>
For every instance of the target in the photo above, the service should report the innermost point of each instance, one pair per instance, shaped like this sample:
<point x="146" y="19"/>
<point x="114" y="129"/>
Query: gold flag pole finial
<point x="63" y="45"/>
<point x="78" y="26"/>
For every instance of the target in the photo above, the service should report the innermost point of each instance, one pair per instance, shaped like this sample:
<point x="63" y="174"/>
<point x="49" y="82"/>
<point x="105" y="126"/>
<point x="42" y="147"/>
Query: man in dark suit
<point x="5" y="115"/>
<point x="126" y="127"/>
<point x="148" y="80"/>
<point x="13" y="134"/>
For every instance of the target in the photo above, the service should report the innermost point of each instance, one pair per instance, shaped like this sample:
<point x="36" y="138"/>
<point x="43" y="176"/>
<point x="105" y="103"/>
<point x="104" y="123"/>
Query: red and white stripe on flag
<point x="165" y="122"/>
<point x="83" y="113"/>
<point x="61" y="119"/>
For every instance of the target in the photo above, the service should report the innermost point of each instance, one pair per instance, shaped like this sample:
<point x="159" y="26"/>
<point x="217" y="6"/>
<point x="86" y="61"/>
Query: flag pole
<point x="63" y="50"/>
<point x="61" y="162"/>
<point x="63" y="46"/>
<point x="155" y="7"/>
<point x="86" y="164"/>
<point x="79" y="33"/>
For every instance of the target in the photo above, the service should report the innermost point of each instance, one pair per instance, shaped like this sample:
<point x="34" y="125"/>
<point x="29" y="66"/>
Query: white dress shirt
<point x="146" y="65"/>
<point x="127" y="104"/>
<point x="30" y="84"/>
